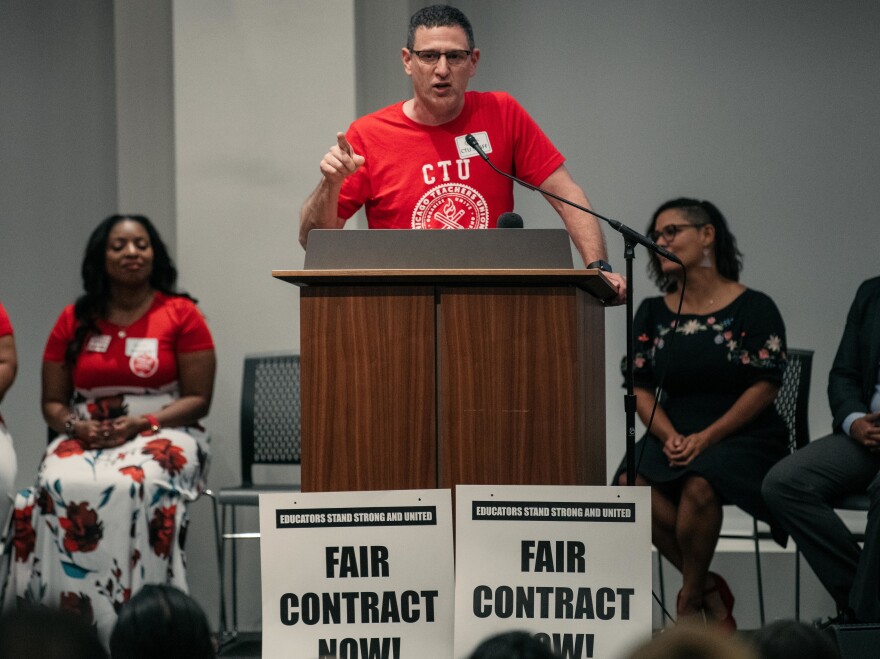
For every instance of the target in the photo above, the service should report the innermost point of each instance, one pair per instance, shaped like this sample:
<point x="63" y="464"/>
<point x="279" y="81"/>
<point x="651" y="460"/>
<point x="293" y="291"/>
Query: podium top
<point x="593" y="281"/>
<point x="470" y="257"/>
<point x="412" y="249"/>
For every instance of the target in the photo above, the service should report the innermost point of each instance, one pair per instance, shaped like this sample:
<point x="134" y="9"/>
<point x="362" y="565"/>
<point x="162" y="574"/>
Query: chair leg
<point x="758" y="570"/>
<point x="234" y="573"/>
<point x="797" y="584"/>
<point x="662" y="586"/>
<point x="221" y="563"/>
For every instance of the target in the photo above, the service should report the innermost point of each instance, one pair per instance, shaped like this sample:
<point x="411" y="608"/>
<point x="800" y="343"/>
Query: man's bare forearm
<point x="320" y="210"/>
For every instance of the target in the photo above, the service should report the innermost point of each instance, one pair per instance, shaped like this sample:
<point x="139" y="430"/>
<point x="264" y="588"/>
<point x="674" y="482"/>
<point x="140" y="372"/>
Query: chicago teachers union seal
<point x="451" y="206"/>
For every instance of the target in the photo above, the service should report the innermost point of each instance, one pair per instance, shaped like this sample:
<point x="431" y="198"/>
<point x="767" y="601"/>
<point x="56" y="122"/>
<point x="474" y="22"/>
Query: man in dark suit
<point x="802" y="488"/>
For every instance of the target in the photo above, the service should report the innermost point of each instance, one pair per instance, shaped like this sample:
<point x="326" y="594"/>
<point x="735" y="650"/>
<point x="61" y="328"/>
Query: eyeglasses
<point x="453" y="57"/>
<point x="670" y="231"/>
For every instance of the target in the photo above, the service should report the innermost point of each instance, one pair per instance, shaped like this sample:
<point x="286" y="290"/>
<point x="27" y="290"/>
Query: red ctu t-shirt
<point x="144" y="357"/>
<point x="427" y="177"/>
<point x="5" y="325"/>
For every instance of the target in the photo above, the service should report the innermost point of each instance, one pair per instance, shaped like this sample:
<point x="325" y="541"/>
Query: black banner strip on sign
<point x="553" y="511"/>
<point x="310" y="518"/>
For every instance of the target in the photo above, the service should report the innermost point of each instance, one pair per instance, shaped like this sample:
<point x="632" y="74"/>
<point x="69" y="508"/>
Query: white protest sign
<point x="357" y="574"/>
<point x="570" y="564"/>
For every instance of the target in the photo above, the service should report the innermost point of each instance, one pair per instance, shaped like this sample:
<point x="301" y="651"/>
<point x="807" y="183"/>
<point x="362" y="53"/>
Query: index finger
<point x="343" y="144"/>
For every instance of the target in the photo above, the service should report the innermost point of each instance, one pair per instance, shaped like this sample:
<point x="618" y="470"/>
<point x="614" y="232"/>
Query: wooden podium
<point x="424" y="378"/>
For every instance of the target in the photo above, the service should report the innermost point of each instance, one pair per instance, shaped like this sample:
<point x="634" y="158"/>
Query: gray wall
<point x="58" y="164"/>
<point x="211" y="117"/>
<point x="86" y="130"/>
<point x="145" y="113"/>
<point x="745" y="104"/>
<point x="260" y="90"/>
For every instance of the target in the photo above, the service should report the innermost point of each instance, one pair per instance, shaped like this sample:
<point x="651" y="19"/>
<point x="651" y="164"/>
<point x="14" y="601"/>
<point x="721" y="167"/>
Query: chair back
<point x="793" y="399"/>
<point x="270" y="412"/>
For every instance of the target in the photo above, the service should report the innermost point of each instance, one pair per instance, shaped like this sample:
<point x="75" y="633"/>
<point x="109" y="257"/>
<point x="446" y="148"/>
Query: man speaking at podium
<point x="411" y="168"/>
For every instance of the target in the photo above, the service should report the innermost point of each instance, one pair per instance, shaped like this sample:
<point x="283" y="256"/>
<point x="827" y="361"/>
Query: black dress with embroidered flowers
<point x="712" y="360"/>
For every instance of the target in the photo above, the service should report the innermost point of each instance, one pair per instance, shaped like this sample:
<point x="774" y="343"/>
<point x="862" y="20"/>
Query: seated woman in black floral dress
<point x="715" y="433"/>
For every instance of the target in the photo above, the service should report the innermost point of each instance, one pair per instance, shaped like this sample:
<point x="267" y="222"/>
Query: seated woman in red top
<point x="128" y="371"/>
<point x="8" y="366"/>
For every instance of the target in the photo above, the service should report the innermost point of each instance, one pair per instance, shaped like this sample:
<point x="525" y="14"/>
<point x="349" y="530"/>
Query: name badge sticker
<point x="149" y="347"/>
<point x="98" y="343"/>
<point x="465" y="150"/>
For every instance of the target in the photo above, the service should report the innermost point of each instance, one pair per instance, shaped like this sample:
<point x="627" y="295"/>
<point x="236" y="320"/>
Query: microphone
<point x="510" y="221"/>
<point x="632" y="234"/>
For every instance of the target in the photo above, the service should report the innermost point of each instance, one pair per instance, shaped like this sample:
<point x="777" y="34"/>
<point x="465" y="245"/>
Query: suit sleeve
<point x="845" y="386"/>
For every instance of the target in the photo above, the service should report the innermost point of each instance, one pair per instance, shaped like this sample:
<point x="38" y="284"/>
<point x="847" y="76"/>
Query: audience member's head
<point x="513" y="645"/>
<point x="47" y="634"/>
<point x="161" y="621"/>
<point x="789" y="638"/>
<point x="693" y="641"/>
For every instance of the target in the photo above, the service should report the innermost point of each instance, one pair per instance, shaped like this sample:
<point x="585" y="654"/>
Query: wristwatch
<point x="70" y="426"/>
<point x="604" y="266"/>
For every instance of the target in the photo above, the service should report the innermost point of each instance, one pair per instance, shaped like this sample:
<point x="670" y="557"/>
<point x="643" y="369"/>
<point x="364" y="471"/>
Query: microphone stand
<point x="631" y="237"/>
<point x="629" y="398"/>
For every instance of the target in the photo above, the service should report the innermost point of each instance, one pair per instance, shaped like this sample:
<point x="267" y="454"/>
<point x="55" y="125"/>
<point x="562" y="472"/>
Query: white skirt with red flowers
<point x="99" y="524"/>
<point x="8" y="467"/>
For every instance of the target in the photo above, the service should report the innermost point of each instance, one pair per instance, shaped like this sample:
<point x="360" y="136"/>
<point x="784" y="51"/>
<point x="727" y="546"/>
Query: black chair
<point x="792" y="403"/>
<point x="858" y="502"/>
<point x="270" y="435"/>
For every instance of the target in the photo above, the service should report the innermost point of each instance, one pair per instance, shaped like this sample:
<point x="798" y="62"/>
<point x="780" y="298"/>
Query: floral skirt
<point x="7" y="470"/>
<point x="99" y="524"/>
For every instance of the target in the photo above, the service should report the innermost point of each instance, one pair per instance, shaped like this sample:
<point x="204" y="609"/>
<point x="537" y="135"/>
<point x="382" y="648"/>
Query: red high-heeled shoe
<point x="728" y="623"/>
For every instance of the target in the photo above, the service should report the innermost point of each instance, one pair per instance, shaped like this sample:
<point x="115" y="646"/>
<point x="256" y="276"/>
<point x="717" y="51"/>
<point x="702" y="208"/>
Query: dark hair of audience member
<point x="693" y="641"/>
<point x="784" y="639"/>
<point x="513" y="645"/>
<point x="48" y="634"/>
<point x="161" y="622"/>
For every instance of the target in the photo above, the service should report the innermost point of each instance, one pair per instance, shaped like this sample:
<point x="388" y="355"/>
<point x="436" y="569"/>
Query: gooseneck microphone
<point x="632" y="234"/>
<point x="510" y="221"/>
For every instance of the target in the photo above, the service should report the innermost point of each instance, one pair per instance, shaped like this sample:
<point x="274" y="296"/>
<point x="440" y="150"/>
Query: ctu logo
<point x="429" y="171"/>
